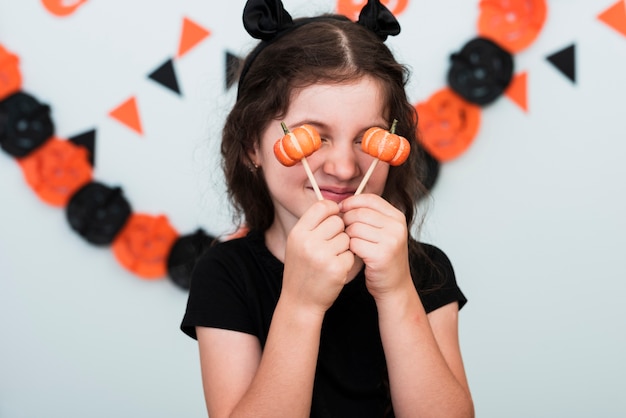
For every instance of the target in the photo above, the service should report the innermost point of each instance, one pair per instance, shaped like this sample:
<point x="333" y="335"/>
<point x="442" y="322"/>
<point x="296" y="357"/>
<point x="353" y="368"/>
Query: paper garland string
<point x="60" y="171"/>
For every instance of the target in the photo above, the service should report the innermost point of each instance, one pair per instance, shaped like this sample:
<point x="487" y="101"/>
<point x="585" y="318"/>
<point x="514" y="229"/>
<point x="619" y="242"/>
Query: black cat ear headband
<point x="267" y="20"/>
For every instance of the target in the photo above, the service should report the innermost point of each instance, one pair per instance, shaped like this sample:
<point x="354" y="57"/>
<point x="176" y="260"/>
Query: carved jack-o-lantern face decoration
<point x="447" y="124"/>
<point x="10" y="77"/>
<point x="25" y="124"/>
<point x="352" y="8"/>
<point x="143" y="245"/>
<point x="56" y="170"/>
<point x="481" y="71"/>
<point x="513" y="24"/>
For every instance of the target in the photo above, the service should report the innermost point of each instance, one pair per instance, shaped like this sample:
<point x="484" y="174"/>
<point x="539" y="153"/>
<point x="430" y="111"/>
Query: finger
<point x="369" y="200"/>
<point x="366" y="216"/>
<point x="330" y="227"/>
<point x="365" y="232"/>
<point x="317" y="213"/>
<point x="363" y="248"/>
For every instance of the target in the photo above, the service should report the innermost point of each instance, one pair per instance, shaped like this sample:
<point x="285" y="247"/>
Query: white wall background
<point x="532" y="215"/>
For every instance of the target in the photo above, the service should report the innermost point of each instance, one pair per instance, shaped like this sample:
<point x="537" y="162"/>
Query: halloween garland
<point x="61" y="171"/>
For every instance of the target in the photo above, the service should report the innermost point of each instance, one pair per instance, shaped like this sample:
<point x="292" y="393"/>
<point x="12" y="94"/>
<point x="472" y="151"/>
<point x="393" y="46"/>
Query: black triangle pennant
<point x="233" y="64"/>
<point x="565" y="61"/>
<point x="166" y="76"/>
<point x="88" y="140"/>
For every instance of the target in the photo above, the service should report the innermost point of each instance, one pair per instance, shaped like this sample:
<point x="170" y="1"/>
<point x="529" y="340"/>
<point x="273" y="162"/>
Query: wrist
<point x="299" y="313"/>
<point x="400" y="303"/>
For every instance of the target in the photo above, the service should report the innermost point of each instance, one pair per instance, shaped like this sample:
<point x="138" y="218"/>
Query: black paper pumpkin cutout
<point x="98" y="212"/>
<point x="430" y="171"/>
<point x="184" y="254"/>
<point x="481" y="71"/>
<point x="25" y="124"/>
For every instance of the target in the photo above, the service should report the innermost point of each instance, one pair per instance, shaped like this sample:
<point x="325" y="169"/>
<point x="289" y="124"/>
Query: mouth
<point x="336" y="194"/>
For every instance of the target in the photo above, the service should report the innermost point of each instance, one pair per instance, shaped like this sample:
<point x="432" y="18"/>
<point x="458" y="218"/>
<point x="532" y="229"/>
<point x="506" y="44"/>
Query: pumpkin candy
<point x="297" y="144"/>
<point x="386" y="145"/>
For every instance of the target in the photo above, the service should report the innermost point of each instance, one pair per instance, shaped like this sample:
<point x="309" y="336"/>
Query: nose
<point x="341" y="161"/>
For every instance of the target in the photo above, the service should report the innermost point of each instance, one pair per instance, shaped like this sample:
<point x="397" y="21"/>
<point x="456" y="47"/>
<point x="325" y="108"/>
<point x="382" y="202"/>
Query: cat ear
<point x="377" y="18"/>
<point x="264" y="19"/>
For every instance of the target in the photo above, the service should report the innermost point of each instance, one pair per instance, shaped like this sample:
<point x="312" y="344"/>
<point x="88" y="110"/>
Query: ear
<point x="254" y="154"/>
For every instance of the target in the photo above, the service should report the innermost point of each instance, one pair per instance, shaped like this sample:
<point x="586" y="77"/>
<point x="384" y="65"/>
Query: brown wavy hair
<point x="328" y="49"/>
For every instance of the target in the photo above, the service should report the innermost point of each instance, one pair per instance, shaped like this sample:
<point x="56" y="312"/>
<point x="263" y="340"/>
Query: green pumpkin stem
<point x="285" y="129"/>
<point x="393" y="126"/>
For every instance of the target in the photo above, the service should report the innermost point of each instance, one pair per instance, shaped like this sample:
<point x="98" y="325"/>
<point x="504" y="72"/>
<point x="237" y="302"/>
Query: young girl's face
<point x="341" y="113"/>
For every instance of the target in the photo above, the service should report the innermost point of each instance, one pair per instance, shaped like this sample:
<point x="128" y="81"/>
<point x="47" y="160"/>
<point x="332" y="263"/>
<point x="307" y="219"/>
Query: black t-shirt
<point x="236" y="284"/>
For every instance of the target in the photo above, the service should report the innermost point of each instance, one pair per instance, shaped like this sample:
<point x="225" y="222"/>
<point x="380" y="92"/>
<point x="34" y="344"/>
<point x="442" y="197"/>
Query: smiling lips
<point x="336" y="194"/>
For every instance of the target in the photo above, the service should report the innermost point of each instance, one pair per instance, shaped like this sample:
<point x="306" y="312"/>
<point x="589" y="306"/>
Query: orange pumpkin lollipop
<point x="296" y="146"/>
<point x="386" y="146"/>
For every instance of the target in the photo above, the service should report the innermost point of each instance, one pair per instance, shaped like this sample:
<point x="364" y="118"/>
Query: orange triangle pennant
<point x="128" y="114"/>
<point x="192" y="35"/>
<point x="615" y="17"/>
<point x="518" y="90"/>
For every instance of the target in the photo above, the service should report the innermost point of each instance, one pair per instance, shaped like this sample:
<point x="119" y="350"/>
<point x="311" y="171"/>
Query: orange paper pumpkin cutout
<point x="447" y="124"/>
<point x="352" y="8"/>
<point x="513" y="24"/>
<point x="10" y="77"/>
<point x="62" y="8"/>
<point x="143" y="245"/>
<point x="56" y="170"/>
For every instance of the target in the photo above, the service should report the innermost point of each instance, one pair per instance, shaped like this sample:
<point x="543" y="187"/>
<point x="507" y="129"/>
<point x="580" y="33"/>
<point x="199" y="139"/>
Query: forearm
<point x="283" y="384"/>
<point x="422" y="383"/>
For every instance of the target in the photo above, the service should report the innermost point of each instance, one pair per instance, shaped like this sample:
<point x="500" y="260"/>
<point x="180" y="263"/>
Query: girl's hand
<point x="378" y="235"/>
<point x="317" y="258"/>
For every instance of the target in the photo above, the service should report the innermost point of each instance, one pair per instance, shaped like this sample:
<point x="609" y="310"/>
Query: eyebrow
<point x="324" y="126"/>
<point x="315" y="123"/>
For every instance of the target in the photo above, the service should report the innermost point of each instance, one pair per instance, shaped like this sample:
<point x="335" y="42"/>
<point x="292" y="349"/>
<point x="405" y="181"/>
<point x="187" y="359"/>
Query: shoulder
<point x="221" y="282"/>
<point x="221" y="268"/>
<point x="430" y="264"/>
<point x="437" y="256"/>
<point x="222" y="252"/>
<point x="434" y="277"/>
<point x="233" y="252"/>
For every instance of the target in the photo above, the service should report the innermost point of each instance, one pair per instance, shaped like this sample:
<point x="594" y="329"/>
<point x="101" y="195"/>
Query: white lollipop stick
<point x="366" y="177"/>
<point x="309" y="173"/>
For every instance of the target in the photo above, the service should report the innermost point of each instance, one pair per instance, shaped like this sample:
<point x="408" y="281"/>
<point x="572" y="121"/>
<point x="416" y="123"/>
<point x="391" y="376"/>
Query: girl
<point x="326" y="308"/>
